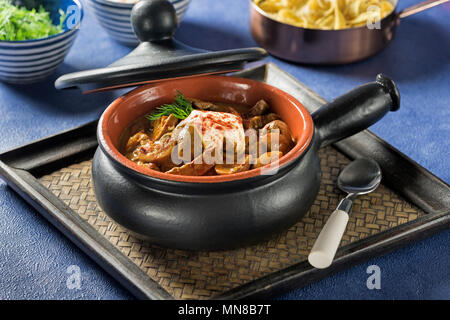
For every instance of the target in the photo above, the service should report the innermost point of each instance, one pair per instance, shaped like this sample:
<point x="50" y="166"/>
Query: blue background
<point x="34" y="256"/>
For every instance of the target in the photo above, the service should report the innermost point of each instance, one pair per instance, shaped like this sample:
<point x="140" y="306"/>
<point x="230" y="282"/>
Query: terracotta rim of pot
<point x="140" y="101"/>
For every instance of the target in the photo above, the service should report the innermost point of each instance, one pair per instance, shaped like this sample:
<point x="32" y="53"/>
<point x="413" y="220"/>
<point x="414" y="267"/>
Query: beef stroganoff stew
<point x="191" y="137"/>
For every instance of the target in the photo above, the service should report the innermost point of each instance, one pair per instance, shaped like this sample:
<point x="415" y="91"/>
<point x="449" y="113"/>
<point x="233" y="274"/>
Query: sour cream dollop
<point x="213" y="128"/>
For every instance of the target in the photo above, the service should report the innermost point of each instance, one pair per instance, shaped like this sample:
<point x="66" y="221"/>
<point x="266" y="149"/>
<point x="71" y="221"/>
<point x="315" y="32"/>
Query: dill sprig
<point x="181" y="109"/>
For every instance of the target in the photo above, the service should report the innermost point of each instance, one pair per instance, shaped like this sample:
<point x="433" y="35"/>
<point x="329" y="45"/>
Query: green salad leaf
<point x="23" y="24"/>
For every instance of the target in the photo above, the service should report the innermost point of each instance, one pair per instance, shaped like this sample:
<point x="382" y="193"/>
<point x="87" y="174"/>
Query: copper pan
<point x="316" y="46"/>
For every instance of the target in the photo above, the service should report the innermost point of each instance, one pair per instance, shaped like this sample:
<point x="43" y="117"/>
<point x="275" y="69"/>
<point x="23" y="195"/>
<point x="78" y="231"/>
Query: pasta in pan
<point x="326" y="14"/>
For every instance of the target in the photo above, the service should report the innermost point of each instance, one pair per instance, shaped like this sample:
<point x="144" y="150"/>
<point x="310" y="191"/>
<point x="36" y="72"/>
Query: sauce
<point x="213" y="133"/>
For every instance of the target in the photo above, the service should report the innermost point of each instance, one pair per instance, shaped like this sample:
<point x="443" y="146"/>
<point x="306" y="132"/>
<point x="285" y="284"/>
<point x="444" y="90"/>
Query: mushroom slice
<point x="257" y="122"/>
<point x="267" y="142"/>
<point x="277" y="125"/>
<point x="224" y="169"/>
<point x="191" y="169"/>
<point x="267" y="158"/>
<point x="149" y="165"/>
<point x="209" y="106"/>
<point x="284" y="141"/>
<point x="270" y="117"/>
<point x="203" y="105"/>
<point x="138" y="138"/>
<point x="258" y="109"/>
<point x="252" y="123"/>
<point x="210" y="172"/>
<point x="158" y="152"/>
<point x="163" y="125"/>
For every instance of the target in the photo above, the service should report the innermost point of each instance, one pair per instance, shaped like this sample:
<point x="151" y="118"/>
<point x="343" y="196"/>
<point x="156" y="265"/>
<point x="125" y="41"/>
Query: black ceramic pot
<point x="211" y="216"/>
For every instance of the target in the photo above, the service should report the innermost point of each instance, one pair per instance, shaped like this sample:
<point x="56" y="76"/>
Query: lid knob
<point x="154" y="20"/>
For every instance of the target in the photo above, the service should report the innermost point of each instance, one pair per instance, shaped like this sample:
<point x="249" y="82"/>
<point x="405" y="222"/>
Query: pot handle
<point x="420" y="7"/>
<point x="356" y="110"/>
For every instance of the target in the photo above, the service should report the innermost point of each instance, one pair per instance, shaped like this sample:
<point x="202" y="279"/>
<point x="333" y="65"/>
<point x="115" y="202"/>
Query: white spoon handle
<point x="325" y="247"/>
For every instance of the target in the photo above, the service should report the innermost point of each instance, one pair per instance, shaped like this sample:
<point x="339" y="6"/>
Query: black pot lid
<point x="159" y="56"/>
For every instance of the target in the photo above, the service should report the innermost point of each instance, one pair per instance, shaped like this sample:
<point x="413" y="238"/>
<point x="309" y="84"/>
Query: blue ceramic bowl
<point x="30" y="61"/>
<point x="115" y="17"/>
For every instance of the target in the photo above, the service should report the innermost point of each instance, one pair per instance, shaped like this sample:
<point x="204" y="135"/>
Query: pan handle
<point x="420" y="7"/>
<point x="356" y="110"/>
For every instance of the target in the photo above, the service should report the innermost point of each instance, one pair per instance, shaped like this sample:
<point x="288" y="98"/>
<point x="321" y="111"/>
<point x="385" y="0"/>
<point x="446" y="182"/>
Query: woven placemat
<point x="200" y="275"/>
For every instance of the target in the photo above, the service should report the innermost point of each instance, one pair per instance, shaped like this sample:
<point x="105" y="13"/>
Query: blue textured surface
<point x="34" y="256"/>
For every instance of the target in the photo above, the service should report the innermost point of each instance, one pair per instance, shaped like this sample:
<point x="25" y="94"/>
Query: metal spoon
<point x="361" y="176"/>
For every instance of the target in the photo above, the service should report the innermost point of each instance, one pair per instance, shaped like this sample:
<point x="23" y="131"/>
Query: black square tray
<point x="22" y="167"/>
